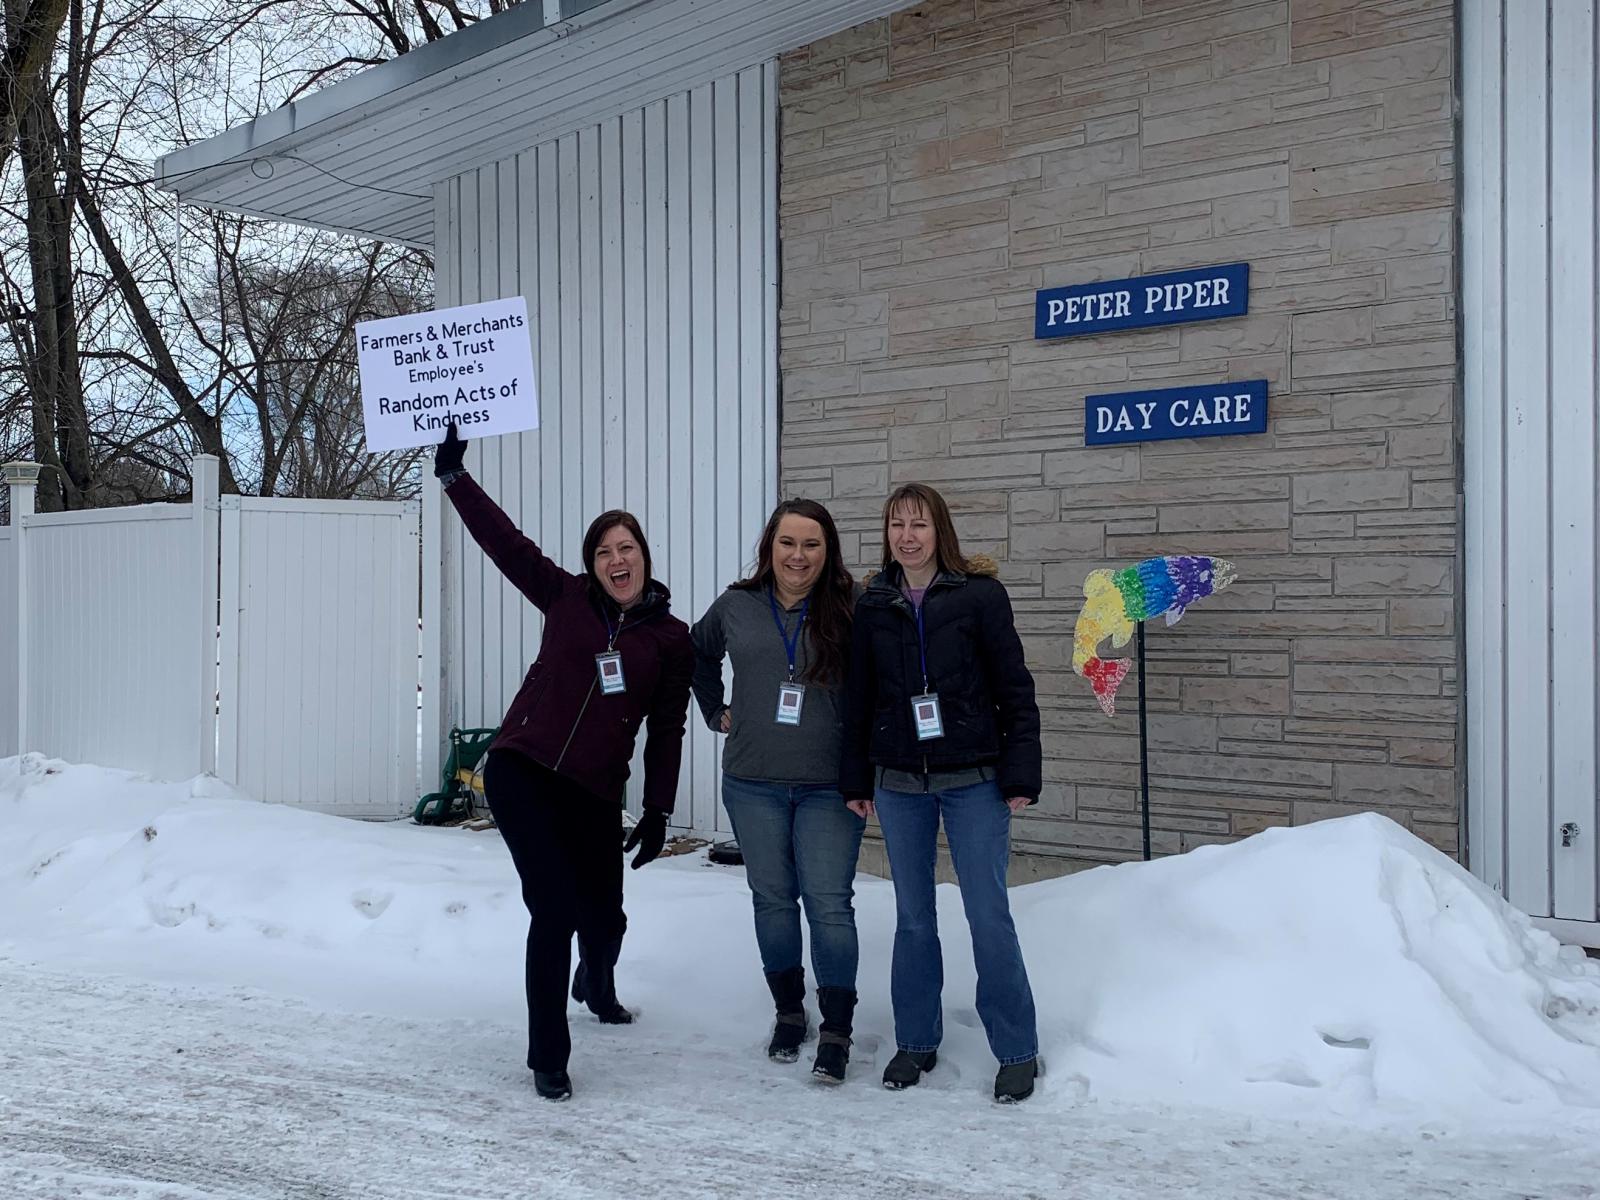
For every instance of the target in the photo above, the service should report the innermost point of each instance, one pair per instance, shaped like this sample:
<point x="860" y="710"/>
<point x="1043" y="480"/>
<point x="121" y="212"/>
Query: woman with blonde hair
<point x="941" y="726"/>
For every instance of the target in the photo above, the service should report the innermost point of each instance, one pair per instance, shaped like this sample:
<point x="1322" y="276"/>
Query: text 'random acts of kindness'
<point x="472" y="365"/>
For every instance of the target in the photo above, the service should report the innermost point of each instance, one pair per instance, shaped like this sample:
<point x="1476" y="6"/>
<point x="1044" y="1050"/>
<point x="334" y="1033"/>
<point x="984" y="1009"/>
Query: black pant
<point x="567" y="846"/>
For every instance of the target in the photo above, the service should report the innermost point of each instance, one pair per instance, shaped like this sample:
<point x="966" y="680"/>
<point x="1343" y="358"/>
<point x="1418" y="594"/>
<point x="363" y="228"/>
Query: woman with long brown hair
<point x="941" y="726"/>
<point x="787" y="630"/>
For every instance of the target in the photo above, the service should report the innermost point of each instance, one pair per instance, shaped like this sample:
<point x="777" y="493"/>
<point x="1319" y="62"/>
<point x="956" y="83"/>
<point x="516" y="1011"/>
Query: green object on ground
<point x="462" y="784"/>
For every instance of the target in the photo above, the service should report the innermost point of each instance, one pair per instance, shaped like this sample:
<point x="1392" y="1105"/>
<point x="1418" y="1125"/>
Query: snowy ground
<point x="204" y="997"/>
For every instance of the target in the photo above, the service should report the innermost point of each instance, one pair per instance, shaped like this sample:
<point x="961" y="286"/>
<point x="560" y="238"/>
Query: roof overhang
<point x="363" y="155"/>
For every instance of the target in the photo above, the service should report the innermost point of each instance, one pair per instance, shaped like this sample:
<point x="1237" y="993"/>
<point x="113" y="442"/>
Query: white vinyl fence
<point x="272" y="642"/>
<point x="319" y="653"/>
<point x="112" y="605"/>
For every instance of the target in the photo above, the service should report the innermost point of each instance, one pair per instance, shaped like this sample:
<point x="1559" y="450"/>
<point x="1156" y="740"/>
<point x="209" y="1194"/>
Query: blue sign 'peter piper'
<point x="1198" y="410"/>
<point x="1198" y="294"/>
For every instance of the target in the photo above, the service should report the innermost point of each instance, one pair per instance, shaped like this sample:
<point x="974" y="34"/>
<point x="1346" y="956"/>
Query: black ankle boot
<point x="907" y="1067"/>
<point x="1014" y="1083"/>
<point x="789" y="995"/>
<point x="553" y="1085"/>
<point x="838" y="1007"/>
<point x="594" y="983"/>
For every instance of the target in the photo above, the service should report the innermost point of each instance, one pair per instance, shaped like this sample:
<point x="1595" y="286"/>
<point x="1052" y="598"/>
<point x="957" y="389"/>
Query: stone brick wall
<point x="941" y="164"/>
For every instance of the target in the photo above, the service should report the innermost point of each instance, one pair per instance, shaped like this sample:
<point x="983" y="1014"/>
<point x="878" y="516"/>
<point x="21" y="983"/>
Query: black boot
<point x="838" y="1007"/>
<point x="789" y="994"/>
<point x="553" y="1085"/>
<point x="595" y="981"/>
<point x="1014" y="1083"/>
<point x="907" y="1067"/>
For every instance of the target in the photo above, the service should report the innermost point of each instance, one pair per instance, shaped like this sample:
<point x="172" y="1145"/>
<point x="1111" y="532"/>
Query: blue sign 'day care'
<point x="1199" y="294"/>
<point x="1200" y="410"/>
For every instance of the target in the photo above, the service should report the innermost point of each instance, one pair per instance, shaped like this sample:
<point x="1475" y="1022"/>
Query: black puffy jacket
<point x="975" y="665"/>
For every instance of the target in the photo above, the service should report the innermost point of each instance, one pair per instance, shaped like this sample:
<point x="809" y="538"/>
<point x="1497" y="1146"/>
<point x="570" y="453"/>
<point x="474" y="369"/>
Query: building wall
<point x="940" y="165"/>
<point x="644" y="246"/>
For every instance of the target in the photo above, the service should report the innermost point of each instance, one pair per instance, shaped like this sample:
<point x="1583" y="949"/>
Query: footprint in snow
<point x="371" y="904"/>
<point x="1345" y="1040"/>
<point x="864" y="1049"/>
<point x="1074" y="1089"/>
<point x="170" y="916"/>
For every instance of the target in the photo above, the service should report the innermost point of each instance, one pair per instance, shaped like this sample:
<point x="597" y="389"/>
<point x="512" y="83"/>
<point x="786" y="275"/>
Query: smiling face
<point x="799" y="553"/>
<point x="619" y="564"/>
<point x="912" y="540"/>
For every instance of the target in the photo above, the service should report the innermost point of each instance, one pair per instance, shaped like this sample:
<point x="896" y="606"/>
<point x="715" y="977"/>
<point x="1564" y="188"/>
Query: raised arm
<point x="520" y="560"/>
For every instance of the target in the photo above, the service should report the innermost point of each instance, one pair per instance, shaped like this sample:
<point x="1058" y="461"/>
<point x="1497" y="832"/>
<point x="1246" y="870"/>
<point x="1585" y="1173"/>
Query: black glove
<point x="650" y="835"/>
<point x="451" y="454"/>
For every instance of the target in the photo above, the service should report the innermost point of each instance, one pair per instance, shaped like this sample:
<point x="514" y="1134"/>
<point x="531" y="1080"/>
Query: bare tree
<point x="134" y="338"/>
<point x="30" y="37"/>
<point x="281" y="321"/>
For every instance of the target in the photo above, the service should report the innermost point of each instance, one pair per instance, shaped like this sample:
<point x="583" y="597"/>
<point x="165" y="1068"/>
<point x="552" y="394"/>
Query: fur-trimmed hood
<point x="977" y="564"/>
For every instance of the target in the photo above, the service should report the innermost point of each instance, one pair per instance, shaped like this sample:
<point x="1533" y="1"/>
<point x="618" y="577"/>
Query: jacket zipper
<point x="904" y="606"/>
<point x="576" y="721"/>
<point x="587" y="696"/>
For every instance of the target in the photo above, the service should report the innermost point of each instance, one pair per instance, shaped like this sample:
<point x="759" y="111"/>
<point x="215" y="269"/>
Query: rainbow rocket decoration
<point x="1113" y="601"/>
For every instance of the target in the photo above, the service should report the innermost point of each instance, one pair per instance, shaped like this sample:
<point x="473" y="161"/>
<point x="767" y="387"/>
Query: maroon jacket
<point x="560" y="719"/>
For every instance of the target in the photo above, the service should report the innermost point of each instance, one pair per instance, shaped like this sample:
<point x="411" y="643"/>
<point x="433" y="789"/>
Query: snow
<point x="1345" y="966"/>
<point x="212" y="997"/>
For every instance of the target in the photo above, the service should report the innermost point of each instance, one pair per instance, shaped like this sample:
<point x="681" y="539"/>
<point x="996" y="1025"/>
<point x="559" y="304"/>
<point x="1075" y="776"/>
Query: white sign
<point x="472" y="365"/>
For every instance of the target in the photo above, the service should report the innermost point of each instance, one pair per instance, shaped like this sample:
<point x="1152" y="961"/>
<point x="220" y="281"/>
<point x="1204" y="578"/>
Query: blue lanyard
<point x="922" y="646"/>
<point x="612" y="631"/>
<point x="790" y="645"/>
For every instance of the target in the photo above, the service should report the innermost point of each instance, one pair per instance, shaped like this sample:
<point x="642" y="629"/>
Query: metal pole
<point x="1144" y="750"/>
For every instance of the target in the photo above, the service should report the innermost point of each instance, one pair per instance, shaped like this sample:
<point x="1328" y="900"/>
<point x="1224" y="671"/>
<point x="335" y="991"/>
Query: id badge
<point x="608" y="666"/>
<point x="791" y="699"/>
<point x="925" y="712"/>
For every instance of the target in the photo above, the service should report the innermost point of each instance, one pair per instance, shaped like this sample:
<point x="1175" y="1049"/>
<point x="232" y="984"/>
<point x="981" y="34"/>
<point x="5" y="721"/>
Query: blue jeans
<point x="800" y="844"/>
<point x="977" y="824"/>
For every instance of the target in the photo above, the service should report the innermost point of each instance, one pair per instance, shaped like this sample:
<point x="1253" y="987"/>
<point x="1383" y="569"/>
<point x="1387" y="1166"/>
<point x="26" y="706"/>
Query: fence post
<point x="434" y="666"/>
<point x="206" y="511"/>
<point x="22" y="478"/>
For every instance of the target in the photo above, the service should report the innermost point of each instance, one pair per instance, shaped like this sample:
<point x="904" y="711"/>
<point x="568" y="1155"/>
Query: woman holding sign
<point x="612" y="657"/>
<point x="941" y="724"/>
<point x="787" y="630"/>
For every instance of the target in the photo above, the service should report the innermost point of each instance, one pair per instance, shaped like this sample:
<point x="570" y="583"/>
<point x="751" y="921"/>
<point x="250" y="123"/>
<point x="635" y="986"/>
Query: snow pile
<point x="1347" y="958"/>
<point x="193" y="881"/>
<point x="1342" y="967"/>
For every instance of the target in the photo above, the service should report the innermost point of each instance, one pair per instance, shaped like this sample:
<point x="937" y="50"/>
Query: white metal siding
<point x="8" y="644"/>
<point x="1530" y="278"/>
<point x="646" y="248"/>
<point x="319" y="654"/>
<point x="114" y="646"/>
